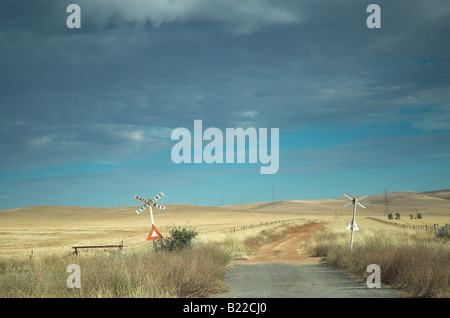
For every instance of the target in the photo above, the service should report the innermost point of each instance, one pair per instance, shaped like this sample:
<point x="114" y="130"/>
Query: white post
<point x="151" y="214"/>
<point x="353" y="223"/>
<point x="155" y="245"/>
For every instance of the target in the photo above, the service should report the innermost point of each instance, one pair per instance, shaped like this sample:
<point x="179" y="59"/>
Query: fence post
<point x="436" y="228"/>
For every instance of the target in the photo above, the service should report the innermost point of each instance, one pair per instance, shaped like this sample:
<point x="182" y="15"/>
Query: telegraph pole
<point x="273" y="198"/>
<point x="386" y="207"/>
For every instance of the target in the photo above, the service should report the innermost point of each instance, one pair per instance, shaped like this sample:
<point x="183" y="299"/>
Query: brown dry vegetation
<point x="415" y="262"/>
<point x="197" y="272"/>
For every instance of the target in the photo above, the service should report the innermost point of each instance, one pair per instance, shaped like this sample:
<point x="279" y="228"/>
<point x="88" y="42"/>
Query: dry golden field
<point x="55" y="229"/>
<point x="35" y="238"/>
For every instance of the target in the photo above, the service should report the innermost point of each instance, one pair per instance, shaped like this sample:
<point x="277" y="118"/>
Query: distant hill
<point x="436" y="202"/>
<point x="442" y="194"/>
<point x="432" y="202"/>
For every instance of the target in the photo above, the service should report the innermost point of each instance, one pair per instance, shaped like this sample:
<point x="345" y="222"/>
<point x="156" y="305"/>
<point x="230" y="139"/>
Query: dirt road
<point x="281" y="270"/>
<point x="288" y="249"/>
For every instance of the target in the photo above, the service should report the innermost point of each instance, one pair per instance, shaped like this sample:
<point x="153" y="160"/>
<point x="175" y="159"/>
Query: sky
<point x="86" y="114"/>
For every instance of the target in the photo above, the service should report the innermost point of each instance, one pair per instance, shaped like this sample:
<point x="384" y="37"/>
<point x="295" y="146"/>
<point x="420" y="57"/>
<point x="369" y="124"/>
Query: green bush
<point x="179" y="239"/>
<point x="443" y="232"/>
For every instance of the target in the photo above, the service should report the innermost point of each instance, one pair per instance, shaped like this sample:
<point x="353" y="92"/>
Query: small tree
<point x="390" y="217"/>
<point x="179" y="239"/>
<point x="419" y="216"/>
<point x="397" y="216"/>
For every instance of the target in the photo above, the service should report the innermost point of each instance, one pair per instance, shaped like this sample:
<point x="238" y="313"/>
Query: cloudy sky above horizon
<point x="86" y="115"/>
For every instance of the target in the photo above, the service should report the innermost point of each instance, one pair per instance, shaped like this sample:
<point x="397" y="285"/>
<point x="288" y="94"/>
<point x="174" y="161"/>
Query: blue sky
<point x="86" y="115"/>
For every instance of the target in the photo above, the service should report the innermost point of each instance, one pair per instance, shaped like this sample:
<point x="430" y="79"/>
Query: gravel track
<point x="279" y="270"/>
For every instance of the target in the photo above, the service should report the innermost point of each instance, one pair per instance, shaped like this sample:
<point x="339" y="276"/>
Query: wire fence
<point x="424" y="227"/>
<point x="246" y="227"/>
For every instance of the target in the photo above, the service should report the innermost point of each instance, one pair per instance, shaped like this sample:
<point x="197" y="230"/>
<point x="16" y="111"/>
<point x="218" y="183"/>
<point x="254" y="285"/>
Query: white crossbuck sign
<point x="355" y="201"/>
<point x="149" y="202"/>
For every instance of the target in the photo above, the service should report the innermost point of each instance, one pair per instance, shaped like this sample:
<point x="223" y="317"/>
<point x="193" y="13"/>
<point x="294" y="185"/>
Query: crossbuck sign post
<point x="352" y="226"/>
<point x="154" y="233"/>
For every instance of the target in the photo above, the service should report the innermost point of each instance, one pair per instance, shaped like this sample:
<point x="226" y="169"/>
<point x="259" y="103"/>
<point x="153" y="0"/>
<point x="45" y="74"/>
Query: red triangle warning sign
<point x="154" y="234"/>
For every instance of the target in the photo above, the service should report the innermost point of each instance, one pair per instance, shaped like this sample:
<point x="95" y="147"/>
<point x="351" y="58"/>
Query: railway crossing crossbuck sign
<point x="148" y="203"/>
<point x="352" y="226"/>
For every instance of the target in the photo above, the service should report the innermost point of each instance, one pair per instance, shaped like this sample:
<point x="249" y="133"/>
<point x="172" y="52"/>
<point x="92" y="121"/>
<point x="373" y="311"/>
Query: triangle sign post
<point x="154" y="234"/>
<point x="349" y="227"/>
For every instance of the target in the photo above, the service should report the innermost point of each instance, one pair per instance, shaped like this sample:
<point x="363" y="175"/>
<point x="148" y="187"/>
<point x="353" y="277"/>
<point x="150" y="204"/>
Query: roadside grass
<point x="414" y="262"/>
<point x="194" y="272"/>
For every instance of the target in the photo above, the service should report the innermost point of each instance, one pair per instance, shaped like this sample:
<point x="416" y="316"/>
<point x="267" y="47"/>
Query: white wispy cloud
<point x="243" y="16"/>
<point x="252" y="114"/>
<point x="438" y="118"/>
<point x="40" y="142"/>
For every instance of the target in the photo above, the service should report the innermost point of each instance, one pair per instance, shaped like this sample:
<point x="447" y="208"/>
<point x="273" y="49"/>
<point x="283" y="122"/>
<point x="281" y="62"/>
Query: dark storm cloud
<point x="137" y="69"/>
